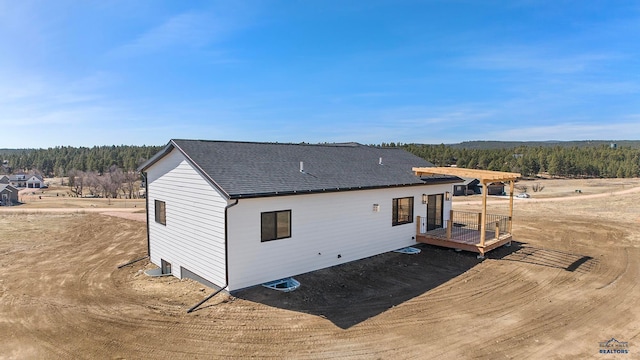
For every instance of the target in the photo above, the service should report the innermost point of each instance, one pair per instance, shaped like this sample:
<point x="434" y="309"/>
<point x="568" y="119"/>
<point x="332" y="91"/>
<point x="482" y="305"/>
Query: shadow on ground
<point x="351" y="293"/>
<point x="571" y="262"/>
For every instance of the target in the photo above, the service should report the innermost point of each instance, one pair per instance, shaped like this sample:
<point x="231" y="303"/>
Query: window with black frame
<point x="161" y="212"/>
<point x="402" y="211"/>
<point x="275" y="225"/>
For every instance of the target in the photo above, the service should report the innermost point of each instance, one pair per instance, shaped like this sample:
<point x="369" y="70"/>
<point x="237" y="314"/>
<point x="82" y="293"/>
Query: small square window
<point x="275" y="225"/>
<point x="161" y="212"/>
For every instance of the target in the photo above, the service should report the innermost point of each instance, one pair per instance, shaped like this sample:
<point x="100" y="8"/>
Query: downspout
<point x="146" y="202"/>
<point x="226" y="259"/>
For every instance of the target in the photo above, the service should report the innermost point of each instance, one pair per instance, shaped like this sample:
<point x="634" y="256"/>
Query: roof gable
<point x="8" y="187"/>
<point x="35" y="177"/>
<point x="247" y="169"/>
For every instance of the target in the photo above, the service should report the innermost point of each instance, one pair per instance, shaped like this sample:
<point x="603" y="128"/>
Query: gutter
<point x="226" y="260"/>
<point x="425" y="181"/>
<point x="146" y="202"/>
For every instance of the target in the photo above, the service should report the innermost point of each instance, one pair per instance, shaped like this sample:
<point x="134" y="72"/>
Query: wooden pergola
<point x="485" y="177"/>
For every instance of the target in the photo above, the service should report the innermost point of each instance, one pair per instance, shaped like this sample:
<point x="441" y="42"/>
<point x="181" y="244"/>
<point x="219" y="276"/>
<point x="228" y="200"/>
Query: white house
<point x="35" y="182"/>
<point x="26" y="181"/>
<point x="238" y="214"/>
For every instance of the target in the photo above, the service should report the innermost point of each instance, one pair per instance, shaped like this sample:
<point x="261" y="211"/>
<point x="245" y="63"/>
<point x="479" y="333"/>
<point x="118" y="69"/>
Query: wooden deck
<point x="470" y="231"/>
<point x="465" y="238"/>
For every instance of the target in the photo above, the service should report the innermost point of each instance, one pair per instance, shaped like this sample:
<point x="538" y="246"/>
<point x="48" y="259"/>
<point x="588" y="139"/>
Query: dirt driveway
<point x="569" y="282"/>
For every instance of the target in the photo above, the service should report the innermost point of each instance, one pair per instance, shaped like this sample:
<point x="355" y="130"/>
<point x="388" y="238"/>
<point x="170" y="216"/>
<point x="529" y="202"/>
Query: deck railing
<point x="472" y="220"/>
<point x="465" y="226"/>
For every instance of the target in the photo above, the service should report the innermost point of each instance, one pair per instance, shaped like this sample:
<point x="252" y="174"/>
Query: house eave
<point x="427" y="181"/>
<point x="155" y="158"/>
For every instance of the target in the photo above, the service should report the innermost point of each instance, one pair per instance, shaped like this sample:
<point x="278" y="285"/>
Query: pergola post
<point x="450" y="224"/>
<point x="511" y="206"/>
<point x="484" y="214"/>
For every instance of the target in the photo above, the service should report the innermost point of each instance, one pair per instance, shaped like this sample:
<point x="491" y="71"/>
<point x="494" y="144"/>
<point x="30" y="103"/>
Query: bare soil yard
<point x="569" y="282"/>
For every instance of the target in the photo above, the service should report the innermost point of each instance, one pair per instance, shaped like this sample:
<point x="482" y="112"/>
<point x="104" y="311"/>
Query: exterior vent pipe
<point x="380" y="161"/>
<point x="301" y="166"/>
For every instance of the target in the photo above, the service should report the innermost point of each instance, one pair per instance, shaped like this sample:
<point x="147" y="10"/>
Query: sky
<point x="86" y="73"/>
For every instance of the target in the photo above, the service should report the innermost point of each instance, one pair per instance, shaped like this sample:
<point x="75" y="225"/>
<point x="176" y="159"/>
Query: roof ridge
<point x="334" y="144"/>
<point x="242" y="169"/>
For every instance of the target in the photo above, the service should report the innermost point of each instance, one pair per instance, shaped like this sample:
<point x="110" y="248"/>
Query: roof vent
<point x="380" y="161"/>
<point x="301" y="166"/>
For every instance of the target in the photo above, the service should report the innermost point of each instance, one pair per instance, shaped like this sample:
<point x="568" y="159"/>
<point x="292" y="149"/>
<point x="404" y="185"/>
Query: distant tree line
<point x="59" y="161"/>
<point x="574" y="159"/>
<point x="562" y="161"/>
<point x="483" y="145"/>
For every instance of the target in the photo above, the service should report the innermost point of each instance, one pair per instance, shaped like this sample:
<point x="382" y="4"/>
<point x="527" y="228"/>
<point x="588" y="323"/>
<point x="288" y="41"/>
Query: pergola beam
<point x="485" y="176"/>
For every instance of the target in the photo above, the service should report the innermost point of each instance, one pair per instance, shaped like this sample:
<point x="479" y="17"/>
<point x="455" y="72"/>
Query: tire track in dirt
<point x="562" y="284"/>
<point x="198" y="331"/>
<point x="448" y="310"/>
<point x="54" y="312"/>
<point x="496" y="308"/>
<point x="572" y="311"/>
<point x="458" y="291"/>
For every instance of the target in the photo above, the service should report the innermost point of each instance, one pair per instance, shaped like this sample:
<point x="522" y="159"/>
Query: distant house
<point x="8" y="194"/>
<point x="35" y="182"/>
<point x="18" y="180"/>
<point x="238" y="214"/>
<point x="4" y="179"/>
<point x="468" y="187"/>
<point x="472" y="186"/>
<point x="496" y="188"/>
<point x="26" y="181"/>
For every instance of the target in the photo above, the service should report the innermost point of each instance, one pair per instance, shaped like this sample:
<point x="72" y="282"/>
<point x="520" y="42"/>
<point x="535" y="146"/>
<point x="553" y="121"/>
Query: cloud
<point x="52" y="117"/>
<point x="19" y="88"/>
<point x="30" y="100"/>
<point x="604" y="87"/>
<point x="450" y="116"/>
<point x="625" y="129"/>
<point x="372" y="126"/>
<point x="191" y="29"/>
<point x="538" y="59"/>
<point x="27" y="87"/>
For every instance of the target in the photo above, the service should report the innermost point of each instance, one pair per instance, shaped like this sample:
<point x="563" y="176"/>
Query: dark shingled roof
<point x="249" y="169"/>
<point x="4" y="186"/>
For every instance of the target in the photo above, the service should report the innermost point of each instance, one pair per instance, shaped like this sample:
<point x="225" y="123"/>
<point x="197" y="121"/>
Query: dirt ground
<point x="57" y="196"/>
<point x="568" y="283"/>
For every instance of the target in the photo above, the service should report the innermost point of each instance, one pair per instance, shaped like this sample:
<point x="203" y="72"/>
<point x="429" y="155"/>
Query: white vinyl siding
<point x="326" y="229"/>
<point x="194" y="234"/>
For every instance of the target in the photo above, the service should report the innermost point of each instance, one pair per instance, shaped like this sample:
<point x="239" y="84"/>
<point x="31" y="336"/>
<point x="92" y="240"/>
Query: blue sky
<point x="86" y="73"/>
